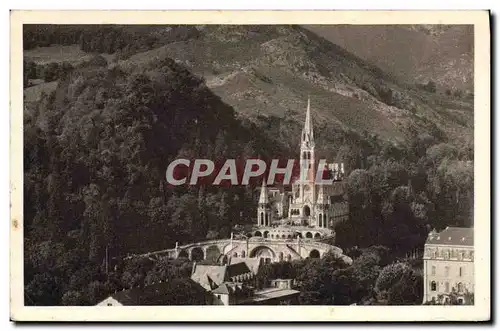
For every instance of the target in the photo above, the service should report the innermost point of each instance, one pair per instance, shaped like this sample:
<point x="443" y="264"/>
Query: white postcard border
<point x="482" y="178"/>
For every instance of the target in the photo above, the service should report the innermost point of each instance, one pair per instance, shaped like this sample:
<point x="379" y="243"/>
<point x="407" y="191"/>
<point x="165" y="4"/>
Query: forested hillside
<point x="97" y="146"/>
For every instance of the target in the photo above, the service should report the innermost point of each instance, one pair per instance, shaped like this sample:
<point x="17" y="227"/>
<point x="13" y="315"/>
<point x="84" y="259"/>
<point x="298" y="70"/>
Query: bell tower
<point x="307" y="158"/>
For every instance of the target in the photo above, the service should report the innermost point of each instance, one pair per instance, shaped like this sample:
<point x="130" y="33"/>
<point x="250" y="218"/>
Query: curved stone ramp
<point x="279" y="249"/>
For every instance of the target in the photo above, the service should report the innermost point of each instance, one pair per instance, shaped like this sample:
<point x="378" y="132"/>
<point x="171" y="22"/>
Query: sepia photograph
<point x="177" y="162"/>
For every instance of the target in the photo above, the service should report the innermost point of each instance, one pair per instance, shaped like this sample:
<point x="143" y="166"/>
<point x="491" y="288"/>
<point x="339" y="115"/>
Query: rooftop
<point x="252" y="263"/>
<point x="211" y="276"/>
<point x="270" y="293"/>
<point x="150" y="295"/>
<point x="208" y="276"/>
<point x="229" y="288"/>
<point x="452" y="236"/>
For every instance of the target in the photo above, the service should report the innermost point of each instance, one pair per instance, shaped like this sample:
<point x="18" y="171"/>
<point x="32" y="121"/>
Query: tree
<point x="399" y="284"/>
<point x="43" y="290"/>
<point x="407" y="291"/>
<point x="458" y="93"/>
<point x="73" y="298"/>
<point x="431" y="86"/>
<point x="184" y="292"/>
<point x="439" y="152"/>
<point x="390" y="275"/>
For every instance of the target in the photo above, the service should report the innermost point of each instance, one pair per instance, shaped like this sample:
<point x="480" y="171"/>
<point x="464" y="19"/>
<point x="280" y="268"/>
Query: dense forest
<point x="372" y="279"/>
<point x="95" y="155"/>
<point x="105" y="38"/>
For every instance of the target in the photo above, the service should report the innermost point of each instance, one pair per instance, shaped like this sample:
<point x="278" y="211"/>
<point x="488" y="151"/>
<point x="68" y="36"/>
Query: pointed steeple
<point x="308" y="132"/>
<point x="264" y="197"/>
<point x="307" y="125"/>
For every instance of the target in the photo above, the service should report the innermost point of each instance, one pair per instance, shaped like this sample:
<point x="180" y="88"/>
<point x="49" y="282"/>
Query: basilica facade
<point x="307" y="203"/>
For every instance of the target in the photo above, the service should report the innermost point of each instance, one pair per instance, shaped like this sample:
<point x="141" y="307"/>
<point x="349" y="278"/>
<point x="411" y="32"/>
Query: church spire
<point x="264" y="198"/>
<point x="308" y="132"/>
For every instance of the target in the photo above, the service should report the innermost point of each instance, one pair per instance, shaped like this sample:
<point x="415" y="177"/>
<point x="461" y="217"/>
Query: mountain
<point x="266" y="73"/>
<point x="104" y="119"/>
<point x="413" y="53"/>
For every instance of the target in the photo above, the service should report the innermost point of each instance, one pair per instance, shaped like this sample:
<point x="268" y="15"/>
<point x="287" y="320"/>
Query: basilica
<point x="307" y="203"/>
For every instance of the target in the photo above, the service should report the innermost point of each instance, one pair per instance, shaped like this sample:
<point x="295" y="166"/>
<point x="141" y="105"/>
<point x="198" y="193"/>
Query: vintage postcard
<point x="217" y="166"/>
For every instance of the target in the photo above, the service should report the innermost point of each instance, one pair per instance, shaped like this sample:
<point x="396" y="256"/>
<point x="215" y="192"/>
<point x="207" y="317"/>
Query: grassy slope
<point x="34" y="93"/>
<point x="270" y="71"/>
<point x="445" y="56"/>
<point x="57" y="53"/>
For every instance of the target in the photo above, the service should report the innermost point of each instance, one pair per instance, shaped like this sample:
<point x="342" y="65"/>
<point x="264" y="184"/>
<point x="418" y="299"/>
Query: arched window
<point x="261" y="222"/>
<point x="320" y="220"/>
<point x="317" y="235"/>
<point x="307" y="211"/>
<point x="325" y="224"/>
<point x="447" y="287"/>
<point x="235" y="254"/>
<point x="460" y="287"/>
<point x="314" y="254"/>
<point x="283" y="236"/>
<point x="433" y="286"/>
<point x="309" y="235"/>
<point x="197" y="254"/>
<point x="243" y="253"/>
<point x="267" y="219"/>
<point x="280" y="256"/>
<point x="460" y="272"/>
<point x="266" y="234"/>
